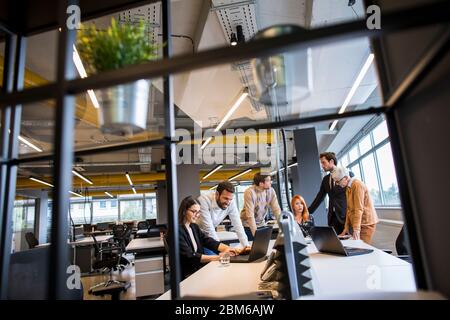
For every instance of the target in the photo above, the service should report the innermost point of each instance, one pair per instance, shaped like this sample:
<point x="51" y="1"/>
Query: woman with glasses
<point x="361" y="215"/>
<point x="193" y="240"/>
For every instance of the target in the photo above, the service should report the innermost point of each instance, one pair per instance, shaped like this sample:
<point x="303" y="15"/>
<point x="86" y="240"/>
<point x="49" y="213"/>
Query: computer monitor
<point x="288" y="266"/>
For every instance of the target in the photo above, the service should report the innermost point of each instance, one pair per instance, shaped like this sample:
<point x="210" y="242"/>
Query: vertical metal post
<point x="12" y="80"/>
<point x="62" y="177"/>
<point x="170" y="153"/>
<point x="278" y="168"/>
<point x="412" y="232"/>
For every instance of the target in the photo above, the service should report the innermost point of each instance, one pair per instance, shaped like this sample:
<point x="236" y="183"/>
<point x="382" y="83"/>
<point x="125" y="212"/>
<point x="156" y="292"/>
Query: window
<point x="377" y="166"/>
<point x="370" y="178"/>
<point x="103" y="213"/>
<point x="389" y="179"/>
<point x="80" y="212"/>
<point x="113" y="203"/>
<point x="380" y="133"/>
<point x="343" y="161"/>
<point x="365" y="145"/>
<point x="353" y="154"/>
<point x="131" y="210"/>
<point x="150" y="206"/>
<point x="356" y="171"/>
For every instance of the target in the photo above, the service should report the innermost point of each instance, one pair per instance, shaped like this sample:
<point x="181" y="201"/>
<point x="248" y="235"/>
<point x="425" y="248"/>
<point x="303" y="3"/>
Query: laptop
<point x="259" y="247"/>
<point x="327" y="241"/>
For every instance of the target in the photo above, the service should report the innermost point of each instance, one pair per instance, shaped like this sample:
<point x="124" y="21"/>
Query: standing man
<point x="337" y="204"/>
<point x="361" y="218"/>
<point x="257" y="200"/>
<point x="215" y="206"/>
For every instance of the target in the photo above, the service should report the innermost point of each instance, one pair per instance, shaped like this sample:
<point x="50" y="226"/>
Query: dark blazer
<point x="190" y="259"/>
<point x="338" y="202"/>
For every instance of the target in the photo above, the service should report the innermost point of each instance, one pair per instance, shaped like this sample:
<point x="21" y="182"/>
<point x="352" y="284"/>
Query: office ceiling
<point x="203" y="97"/>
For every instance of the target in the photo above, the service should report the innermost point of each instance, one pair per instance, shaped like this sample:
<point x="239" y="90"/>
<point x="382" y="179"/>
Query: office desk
<point x="87" y="241"/>
<point x="150" y="265"/>
<point x="97" y="232"/>
<point x="83" y="251"/>
<point x="332" y="275"/>
<point x="144" y="245"/>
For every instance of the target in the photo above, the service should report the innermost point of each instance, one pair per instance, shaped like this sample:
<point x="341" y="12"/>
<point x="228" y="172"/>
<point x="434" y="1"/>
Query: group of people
<point x="350" y="211"/>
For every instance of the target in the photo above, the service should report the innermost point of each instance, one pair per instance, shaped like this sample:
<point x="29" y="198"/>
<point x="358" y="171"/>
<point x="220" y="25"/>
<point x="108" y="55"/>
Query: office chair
<point x="107" y="258"/>
<point x="151" y="222"/>
<point x="401" y="246"/>
<point x="31" y="240"/>
<point x="142" y="225"/>
<point x="121" y="237"/>
<point x="101" y="226"/>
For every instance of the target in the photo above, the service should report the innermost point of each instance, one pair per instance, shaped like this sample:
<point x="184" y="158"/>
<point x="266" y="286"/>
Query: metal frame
<point x="64" y="90"/>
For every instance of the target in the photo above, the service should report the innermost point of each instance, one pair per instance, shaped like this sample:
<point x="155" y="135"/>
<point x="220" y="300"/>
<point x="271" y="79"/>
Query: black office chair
<point x="121" y="237"/>
<point x="108" y="258"/>
<point x="142" y="225"/>
<point x="401" y="246"/>
<point x="31" y="240"/>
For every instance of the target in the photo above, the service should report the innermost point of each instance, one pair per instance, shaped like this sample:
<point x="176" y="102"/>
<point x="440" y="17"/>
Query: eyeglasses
<point x="194" y="212"/>
<point x="339" y="181"/>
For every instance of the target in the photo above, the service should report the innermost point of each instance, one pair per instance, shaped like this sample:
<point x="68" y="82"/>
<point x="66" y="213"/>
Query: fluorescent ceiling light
<point x="212" y="171"/>
<point x="76" y="194"/>
<point x="355" y="86"/>
<point x="129" y="179"/>
<point x="134" y="190"/>
<point x="109" y="194"/>
<point x="205" y="143"/>
<point x="28" y="143"/>
<point x="289" y="166"/>
<point x="41" y="181"/>
<point x="212" y="188"/>
<point x="230" y="112"/>
<point x="79" y="175"/>
<point x="240" y="174"/>
<point x="82" y="72"/>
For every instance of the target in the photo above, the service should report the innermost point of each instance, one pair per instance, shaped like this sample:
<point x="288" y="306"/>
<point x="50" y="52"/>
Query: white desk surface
<point x="90" y="240"/>
<point x="336" y="276"/>
<point x="82" y="242"/>
<point x="144" y="243"/>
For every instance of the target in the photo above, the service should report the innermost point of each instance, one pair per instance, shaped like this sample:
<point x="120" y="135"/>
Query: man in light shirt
<point x="215" y="206"/>
<point x="257" y="200"/>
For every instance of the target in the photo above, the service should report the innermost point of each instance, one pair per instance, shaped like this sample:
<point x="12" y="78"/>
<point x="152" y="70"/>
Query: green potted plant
<point x="123" y="108"/>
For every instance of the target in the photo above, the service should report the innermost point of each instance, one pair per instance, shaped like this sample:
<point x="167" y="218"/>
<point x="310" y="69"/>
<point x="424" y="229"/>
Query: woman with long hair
<point x="299" y="209"/>
<point x="193" y="240"/>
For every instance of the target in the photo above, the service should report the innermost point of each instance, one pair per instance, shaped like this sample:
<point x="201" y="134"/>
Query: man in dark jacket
<point x="337" y="205"/>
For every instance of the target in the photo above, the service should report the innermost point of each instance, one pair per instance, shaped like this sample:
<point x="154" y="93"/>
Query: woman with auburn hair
<point x="300" y="210"/>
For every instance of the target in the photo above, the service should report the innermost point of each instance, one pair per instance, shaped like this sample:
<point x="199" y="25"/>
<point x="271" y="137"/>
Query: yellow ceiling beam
<point x="109" y="180"/>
